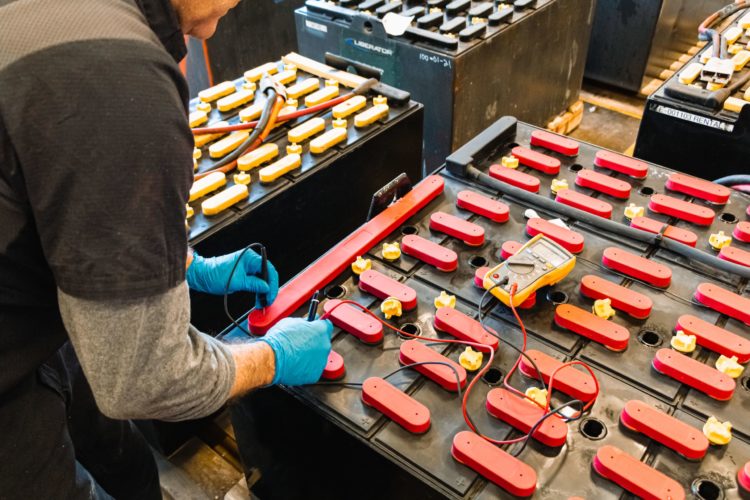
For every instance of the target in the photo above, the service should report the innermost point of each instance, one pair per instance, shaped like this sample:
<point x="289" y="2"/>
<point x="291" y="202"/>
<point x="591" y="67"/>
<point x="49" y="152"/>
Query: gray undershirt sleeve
<point x="144" y="360"/>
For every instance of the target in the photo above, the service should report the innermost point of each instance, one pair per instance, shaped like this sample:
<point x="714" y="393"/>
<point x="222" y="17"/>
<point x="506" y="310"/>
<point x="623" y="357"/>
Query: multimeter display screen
<point x="549" y="254"/>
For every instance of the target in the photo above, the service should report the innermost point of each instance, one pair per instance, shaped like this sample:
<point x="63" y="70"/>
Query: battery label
<point x="316" y="26"/>
<point x="690" y="117"/>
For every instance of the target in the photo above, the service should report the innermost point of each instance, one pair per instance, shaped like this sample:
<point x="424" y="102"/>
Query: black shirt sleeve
<point x="101" y="134"/>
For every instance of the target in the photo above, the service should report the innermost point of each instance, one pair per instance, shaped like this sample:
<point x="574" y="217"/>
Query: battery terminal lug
<point x="361" y="265"/>
<point x="470" y="359"/>
<point x="719" y="240"/>
<point x="682" y="342"/>
<point x="603" y="309"/>
<point x="293" y="149"/>
<point x="445" y="300"/>
<point x="729" y="366"/>
<point x="391" y="251"/>
<point x="719" y="433"/>
<point x="537" y="395"/>
<point x="633" y="211"/>
<point x="509" y="161"/>
<point x="391" y="307"/>
<point x="558" y="185"/>
<point x="242" y="178"/>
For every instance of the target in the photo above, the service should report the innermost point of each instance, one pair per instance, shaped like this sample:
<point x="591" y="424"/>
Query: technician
<point x="95" y="169"/>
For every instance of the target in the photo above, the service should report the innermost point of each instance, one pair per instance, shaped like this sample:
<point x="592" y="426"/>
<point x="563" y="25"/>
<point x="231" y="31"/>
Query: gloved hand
<point x="301" y="348"/>
<point x="210" y="275"/>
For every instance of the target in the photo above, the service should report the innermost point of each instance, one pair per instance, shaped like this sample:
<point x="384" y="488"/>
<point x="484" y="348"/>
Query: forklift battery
<point x="310" y="183"/>
<point x="698" y="121"/>
<point x="653" y="343"/>
<point x="468" y="62"/>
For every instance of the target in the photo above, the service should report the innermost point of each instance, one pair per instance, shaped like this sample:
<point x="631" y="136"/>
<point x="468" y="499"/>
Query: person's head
<point x="198" y="18"/>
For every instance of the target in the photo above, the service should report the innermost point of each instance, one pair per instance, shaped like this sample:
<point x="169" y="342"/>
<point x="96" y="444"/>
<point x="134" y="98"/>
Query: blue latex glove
<point x="301" y="348"/>
<point x="210" y="275"/>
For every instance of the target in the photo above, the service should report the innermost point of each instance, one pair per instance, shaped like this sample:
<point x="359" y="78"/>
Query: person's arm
<point x="143" y="359"/>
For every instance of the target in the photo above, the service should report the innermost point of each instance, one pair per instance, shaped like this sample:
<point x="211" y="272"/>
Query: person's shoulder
<point x="53" y="27"/>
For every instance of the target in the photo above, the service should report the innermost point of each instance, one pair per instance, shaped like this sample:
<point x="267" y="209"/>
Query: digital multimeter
<point x="540" y="262"/>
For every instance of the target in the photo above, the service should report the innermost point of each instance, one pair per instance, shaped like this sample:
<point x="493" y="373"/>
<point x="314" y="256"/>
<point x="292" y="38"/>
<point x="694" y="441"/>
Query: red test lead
<point x="523" y="414"/>
<point x="413" y="351"/>
<point x="568" y="380"/>
<point x="354" y="321"/>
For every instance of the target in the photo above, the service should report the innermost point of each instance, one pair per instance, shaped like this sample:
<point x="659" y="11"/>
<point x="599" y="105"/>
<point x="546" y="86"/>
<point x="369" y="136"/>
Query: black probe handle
<point x="262" y="298"/>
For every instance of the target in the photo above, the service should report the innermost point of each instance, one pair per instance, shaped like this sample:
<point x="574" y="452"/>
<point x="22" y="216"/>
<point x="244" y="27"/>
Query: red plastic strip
<point x="584" y="202"/>
<point x="690" y="372"/>
<point x="396" y="405"/>
<point x="461" y="229"/>
<point x="699" y="188"/>
<point x="715" y="338"/>
<point x="413" y="351"/>
<point x="665" y="429"/>
<point x="736" y="255"/>
<point x="568" y="380"/>
<point x="523" y="414"/>
<point x="335" y="368"/>
<point x="743" y="477"/>
<point x="633" y="303"/>
<point x="722" y="300"/>
<point x="463" y="327"/>
<point x="444" y="259"/>
<point x="509" y="248"/>
<point x="637" y="267"/>
<point x="382" y="286"/>
<point x="536" y="160"/>
<point x="684" y="210"/>
<point x="300" y="288"/>
<point x="482" y="205"/>
<point x="623" y="164"/>
<point x="672" y="232"/>
<point x="611" y="335"/>
<point x="604" y="184"/>
<point x="355" y="321"/>
<point x="515" y="178"/>
<point x="742" y="230"/>
<point x="553" y="142"/>
<point x="570" y="240"/>
<point x="634" y="476"/>
<point x="494" y="464"/>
